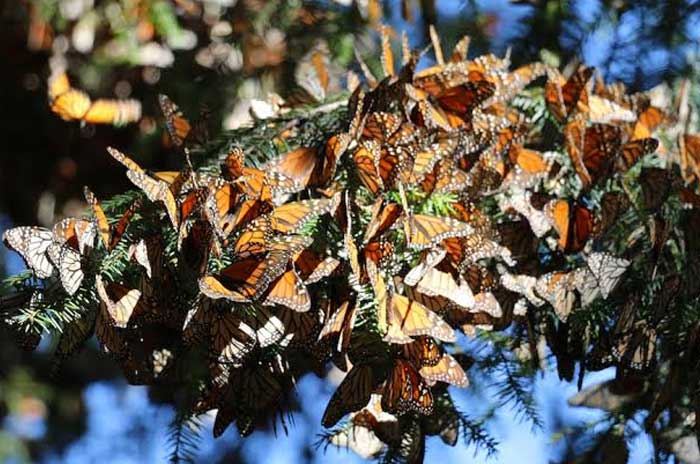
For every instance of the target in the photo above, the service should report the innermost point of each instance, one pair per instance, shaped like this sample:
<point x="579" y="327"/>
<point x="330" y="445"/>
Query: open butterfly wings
<point x="75" y="105"/>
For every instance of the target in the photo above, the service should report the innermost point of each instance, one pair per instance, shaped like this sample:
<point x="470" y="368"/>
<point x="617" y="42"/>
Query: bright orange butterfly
<point x="180" y="130"/>
<point x="565" y="96"/>
<point x="406" y="391"/>
<point x="75" y="105"/>
<point x="573" y="222"/>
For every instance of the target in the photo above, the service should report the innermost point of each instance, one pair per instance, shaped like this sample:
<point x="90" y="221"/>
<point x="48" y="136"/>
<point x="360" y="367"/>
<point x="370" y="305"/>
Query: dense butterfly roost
<point x="465" y="197"/>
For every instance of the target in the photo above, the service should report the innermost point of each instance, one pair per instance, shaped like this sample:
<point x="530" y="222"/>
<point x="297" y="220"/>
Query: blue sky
<point x="123" y="427"/>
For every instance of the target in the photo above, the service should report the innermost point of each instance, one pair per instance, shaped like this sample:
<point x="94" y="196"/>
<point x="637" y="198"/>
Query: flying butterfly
<point x="315" y="76"/>
<point x="180" y="130"/>
<point x="75" y="105"/>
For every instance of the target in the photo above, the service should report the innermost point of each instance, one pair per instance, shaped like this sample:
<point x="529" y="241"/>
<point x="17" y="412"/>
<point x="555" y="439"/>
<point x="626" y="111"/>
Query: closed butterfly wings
<point x="32" y="244"/>
<point x="155" y="190"/>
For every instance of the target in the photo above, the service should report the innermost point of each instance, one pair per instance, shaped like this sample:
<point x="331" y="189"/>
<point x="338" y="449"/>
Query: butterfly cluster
<point x="431" y="212"/>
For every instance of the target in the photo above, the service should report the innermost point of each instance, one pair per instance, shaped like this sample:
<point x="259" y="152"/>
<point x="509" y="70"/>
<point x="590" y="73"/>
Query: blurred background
<point x="213" y="57"/>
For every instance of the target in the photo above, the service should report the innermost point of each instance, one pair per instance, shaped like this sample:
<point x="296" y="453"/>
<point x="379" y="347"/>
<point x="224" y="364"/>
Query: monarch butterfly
<point x="605" y="270"/>
<point x="220" y="206"/>
<point x="289" y="291"/>
<point x="424" y="231"/>
<point x="604" y="111"/>
<point x="382" y="218"/>
<point x="180" y="130"/>
<point x="446" y="370"/>
<point x="425" y="160"/>
<point x="364" y="159"/>
<point x="573" y="222"/>
<point x="312" y="268"/>
<point x="557" y="288"/>
<point x="110" y="237"/>
<point x="405" y="390"/>
<point x="32" y="243"/>
<point x="340" y="324"/>
<point x="380" y="126"/>
<point x="314" y="77"/>
<point x="437" y="304"/>
<point x="446" y="177"/>
<point x="264" y="326"/>
<point x="77" y="233"/>
<point x="429" y="259"/>
<point x="462" y="99"/>
<point x="148" y="252"/>
<point x="407" y="318"/>
<point x="475" y="247"/>
<point x="438" y="283"/>
<point x="612" y="206"/>
<point x="68" y="262"/>
<point x="423" y="351"/>
<point x="111" y="337"/>
<point x="193" y="202"/>
<point x="522" y="284"/>
<point x="508" y="84"/>
<point x="656" y="187"/>
<point x="230" y="339"/>
<point x="564" y="96"/>
<point x="196" y="245"/>
<point x="335" y="147"/>
<point x="75" y="105"/>
<point x="120" y="302"/>
<point x="363" y="436"/>
<point x="352" y="394"/>
<point x="648" y="121"/>
<point x="387" y="56"/>
<point x="689" y="146"/>
<point x="379" y="252"/>
<point x="155" y="190"/>
<point x="246" y="279"/>
<point x="302" y="329"/>
<point x="353" y="255"/>
<point x="296" y="166"/>
<point x="595" y="152"/>
<point x="485" y="302"/>
<point x="290" y="218"/>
